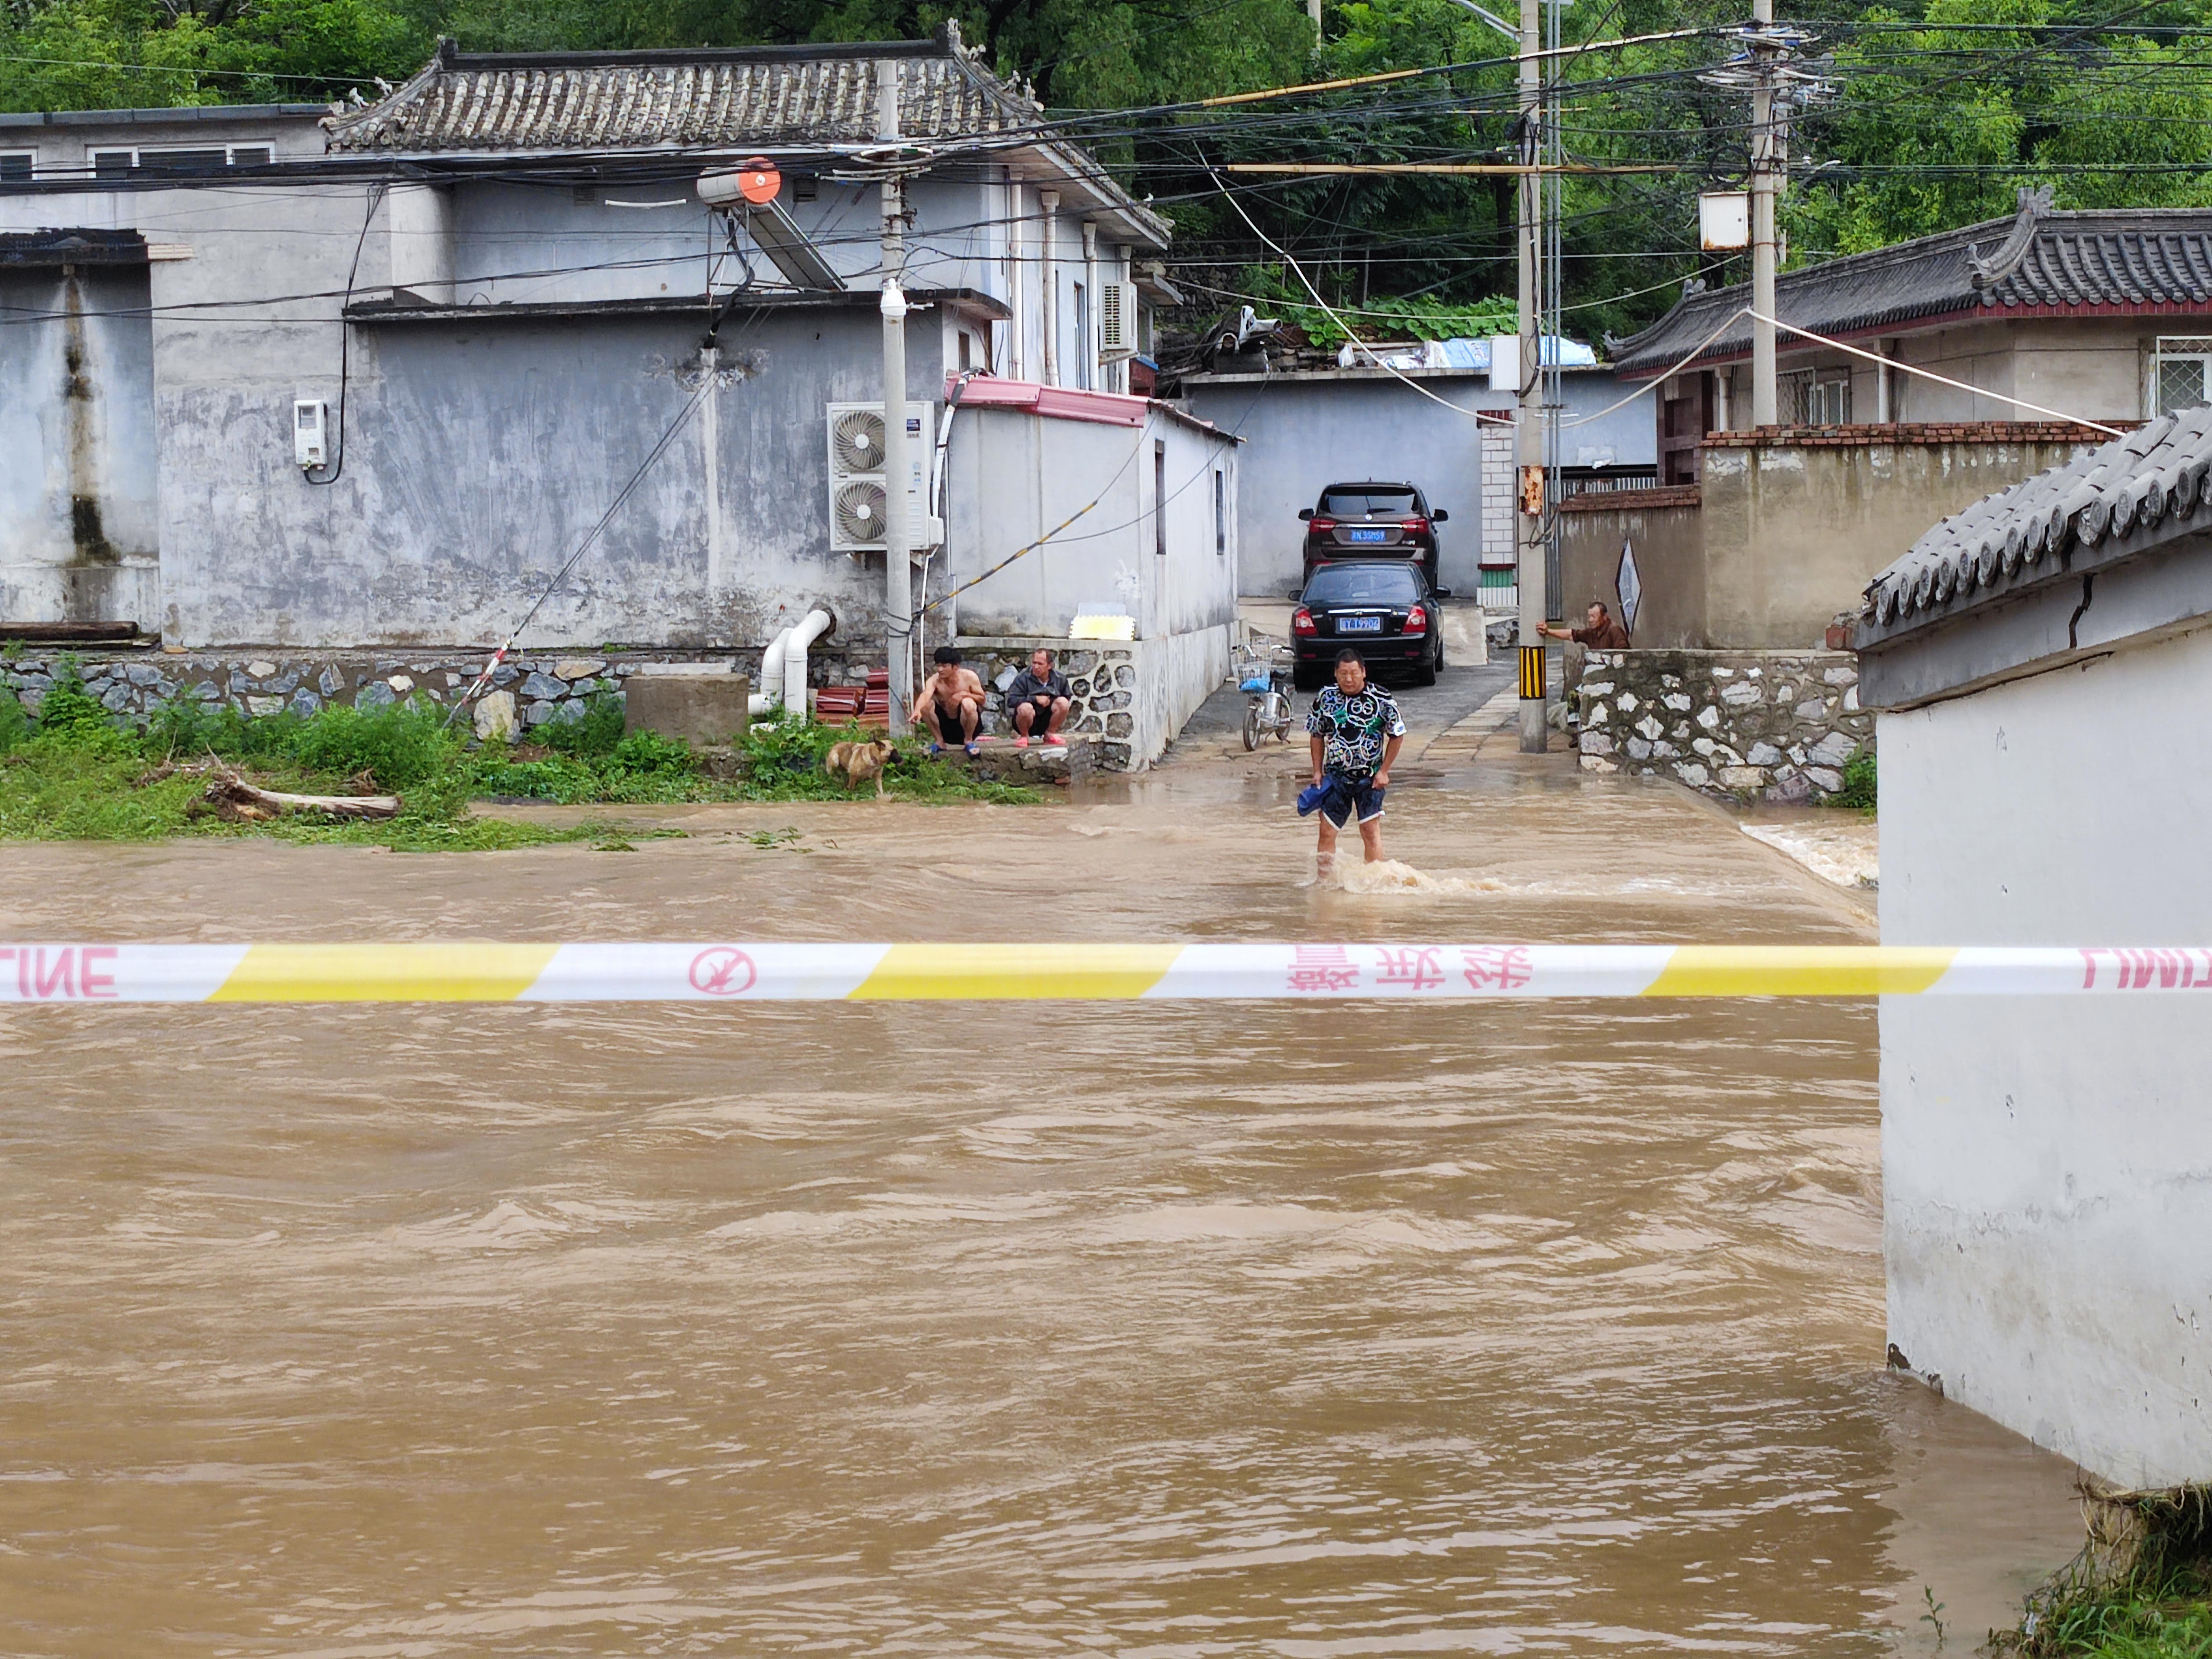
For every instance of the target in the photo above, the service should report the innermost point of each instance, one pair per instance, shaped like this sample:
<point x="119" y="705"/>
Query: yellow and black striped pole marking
<point x="1531" y="672"/>
<point x="731" y="972"/>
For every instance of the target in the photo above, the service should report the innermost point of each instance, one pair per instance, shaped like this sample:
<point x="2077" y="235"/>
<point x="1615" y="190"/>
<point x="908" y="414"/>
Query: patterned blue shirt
<point x="1354" y="730"/>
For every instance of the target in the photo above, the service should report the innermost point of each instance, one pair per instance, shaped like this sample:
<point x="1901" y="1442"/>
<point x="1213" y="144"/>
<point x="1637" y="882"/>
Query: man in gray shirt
<point x="1037" y="701"/>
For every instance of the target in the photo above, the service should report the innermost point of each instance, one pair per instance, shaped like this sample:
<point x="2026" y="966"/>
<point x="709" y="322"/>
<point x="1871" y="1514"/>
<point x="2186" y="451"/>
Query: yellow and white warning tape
<point x="711" y="972"/>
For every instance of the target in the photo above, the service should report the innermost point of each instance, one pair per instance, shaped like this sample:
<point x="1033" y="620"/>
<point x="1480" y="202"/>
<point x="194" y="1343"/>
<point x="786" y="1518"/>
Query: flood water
<point x="1204" y="1329"/>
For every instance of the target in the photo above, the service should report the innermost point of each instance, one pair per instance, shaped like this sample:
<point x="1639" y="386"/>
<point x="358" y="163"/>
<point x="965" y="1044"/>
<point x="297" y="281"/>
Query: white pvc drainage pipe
<point x="783" y="666"/>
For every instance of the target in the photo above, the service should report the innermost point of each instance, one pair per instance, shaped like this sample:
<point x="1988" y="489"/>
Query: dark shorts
<point x="1349" y="796"/>
<point x="948" y="725"/>
<point x="1039" y="707"/>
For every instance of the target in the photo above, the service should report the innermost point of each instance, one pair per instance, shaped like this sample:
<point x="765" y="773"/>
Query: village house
<point x="1757" y="540"/>
<point x="316" y="380"/>
<point x="2037" y="663"/>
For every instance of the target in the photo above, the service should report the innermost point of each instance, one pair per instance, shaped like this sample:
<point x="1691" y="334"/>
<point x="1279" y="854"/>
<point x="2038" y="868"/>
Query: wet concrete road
<point x="1158" y="1330"/>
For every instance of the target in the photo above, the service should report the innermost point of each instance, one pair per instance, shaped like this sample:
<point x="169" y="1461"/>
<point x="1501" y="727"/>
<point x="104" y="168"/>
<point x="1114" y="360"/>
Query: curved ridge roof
<point x="2149" y="487"/>
<point x="2136" y="257"/>
<point x="762" y="97"/>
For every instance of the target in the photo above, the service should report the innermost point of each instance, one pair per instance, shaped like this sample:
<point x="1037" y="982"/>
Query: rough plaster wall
<point x="1793" y="533"/>
<point x="480" y="455"/>
<point x="64" y="149"/>
<point x="1174" y="675"/>
<point x="1669" y="563"/>
<point x="78" y="494"/>
<point x="527" y="243"/>
<point x="2045" y="1161"/>
<point x="1014" y="476"/>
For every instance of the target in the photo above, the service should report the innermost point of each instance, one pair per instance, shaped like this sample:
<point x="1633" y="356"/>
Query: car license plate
<point x="1367" y="535"/>
<point x="1359" y="624"/>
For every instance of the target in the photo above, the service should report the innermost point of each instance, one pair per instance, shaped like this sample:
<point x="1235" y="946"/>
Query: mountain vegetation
<point x="1916" y="118"/>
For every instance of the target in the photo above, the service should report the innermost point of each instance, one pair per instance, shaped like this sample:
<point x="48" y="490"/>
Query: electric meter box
<point x="310" y="418"/>
<point x="1724" y="220"/>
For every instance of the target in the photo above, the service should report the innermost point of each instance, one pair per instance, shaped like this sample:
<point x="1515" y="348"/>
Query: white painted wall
<point x="1013" y="476"/>
<point x="2047" y="1163"/>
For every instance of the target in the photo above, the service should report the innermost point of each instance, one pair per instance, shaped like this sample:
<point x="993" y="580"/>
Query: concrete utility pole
<point x="1313" y="10"/>
<point x="1763" y="387"/>
<point x="898" y="576"/>
<point x="1529" y="430"/>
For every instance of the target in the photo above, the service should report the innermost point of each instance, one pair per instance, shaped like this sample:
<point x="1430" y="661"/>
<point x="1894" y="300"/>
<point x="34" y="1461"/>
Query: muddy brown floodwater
<point x="1138" y="1330"/>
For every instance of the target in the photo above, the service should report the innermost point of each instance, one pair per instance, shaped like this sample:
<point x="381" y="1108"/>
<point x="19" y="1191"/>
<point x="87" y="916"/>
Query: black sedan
<point x="1386" y="612"/>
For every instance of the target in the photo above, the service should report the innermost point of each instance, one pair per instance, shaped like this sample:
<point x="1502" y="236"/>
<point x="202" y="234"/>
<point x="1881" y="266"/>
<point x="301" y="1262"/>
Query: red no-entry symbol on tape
<point x="723" y="970"/>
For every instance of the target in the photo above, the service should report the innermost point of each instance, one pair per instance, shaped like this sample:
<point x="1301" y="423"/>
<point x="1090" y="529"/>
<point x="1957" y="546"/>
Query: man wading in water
<point x="1357" y="733"/>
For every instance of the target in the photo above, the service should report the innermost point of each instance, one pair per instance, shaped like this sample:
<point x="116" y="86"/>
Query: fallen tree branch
<point x="234" y="797"/>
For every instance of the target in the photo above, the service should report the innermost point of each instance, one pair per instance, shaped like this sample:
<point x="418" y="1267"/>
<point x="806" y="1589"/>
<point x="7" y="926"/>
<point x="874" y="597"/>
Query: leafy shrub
<point x="596" y="731"/>
<point x="15" y="724"/>
<point x="71" y="717"/>
<point x="403" y="746"/>
<point x="1860" y="778"/>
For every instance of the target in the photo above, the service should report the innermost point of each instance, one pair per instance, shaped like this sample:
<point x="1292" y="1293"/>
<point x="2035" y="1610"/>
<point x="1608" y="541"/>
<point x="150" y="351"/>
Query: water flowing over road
<point x="1198" y="1329"/>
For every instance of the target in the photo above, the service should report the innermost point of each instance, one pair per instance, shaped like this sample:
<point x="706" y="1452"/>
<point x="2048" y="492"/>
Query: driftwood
<point x="235" y="798"/>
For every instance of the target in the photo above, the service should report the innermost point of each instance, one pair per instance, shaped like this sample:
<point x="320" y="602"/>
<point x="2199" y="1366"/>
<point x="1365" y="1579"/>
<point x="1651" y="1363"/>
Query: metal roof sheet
<point x="2147" y="256"/>
<point x="754" y="98"/>
<point x="2125" y="497"/>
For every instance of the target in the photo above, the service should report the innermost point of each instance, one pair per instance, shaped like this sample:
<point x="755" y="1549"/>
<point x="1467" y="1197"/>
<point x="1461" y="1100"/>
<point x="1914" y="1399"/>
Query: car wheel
<point x="1440" y="651"/>
<point x="1426" y="673"/>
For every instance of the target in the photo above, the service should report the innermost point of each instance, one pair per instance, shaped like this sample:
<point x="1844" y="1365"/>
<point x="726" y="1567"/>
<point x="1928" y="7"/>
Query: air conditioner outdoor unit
<point x="1118" y="320"/>
<point x="859" y="497"/>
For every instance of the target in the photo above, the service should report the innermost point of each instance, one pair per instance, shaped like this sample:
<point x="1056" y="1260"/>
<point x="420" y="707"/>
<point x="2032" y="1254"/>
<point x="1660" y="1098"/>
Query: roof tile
<point x="2138" y="256"/>
<point x="757" y="97"/>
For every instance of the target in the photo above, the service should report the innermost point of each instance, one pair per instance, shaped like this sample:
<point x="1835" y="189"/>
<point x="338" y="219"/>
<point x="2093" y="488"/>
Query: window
<point x="967" y="352"/>
<point x="181" y="162"/>
<point x="1817" y="397"/>
<point x="1364" y="584"/>
<point x="18" y="163"/>
<point x="1220" y="514"/>
<point x="2180" y="373"/>
<point x="1159" y="495"/>
<point x="1376" y="501"/>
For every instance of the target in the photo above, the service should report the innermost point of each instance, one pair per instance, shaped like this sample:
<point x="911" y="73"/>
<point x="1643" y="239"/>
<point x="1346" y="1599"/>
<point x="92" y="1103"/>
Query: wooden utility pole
<point x="1529" y="430"/>
<point x="898" y="526"/>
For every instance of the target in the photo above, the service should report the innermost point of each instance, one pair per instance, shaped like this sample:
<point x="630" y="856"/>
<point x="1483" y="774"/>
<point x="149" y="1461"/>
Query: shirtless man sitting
<point x="951" y="706"/>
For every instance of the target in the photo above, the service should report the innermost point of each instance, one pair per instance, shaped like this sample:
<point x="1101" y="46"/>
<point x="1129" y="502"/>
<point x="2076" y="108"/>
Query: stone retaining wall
<point x="526" y="691"/>
<point x="1102" y="685"/>
<point x="1775" y="724"/>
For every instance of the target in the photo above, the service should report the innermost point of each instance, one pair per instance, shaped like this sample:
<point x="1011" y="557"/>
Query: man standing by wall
<point x="1602" y="633"/>
<point x="1356" y="733"/>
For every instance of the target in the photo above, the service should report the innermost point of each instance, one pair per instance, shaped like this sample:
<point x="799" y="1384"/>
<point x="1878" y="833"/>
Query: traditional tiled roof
<point x="2114" y="501"/>
<point x="2152" y="258"/>
<point x="753" y="98"/>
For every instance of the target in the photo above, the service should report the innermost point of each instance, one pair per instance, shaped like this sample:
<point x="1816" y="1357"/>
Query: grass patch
<point x="73" y="772"/>
<point x="2141" y="1588"/>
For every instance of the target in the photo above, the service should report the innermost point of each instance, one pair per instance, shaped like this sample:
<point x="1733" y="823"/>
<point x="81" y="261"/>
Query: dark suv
<point x="1372" y="521"/>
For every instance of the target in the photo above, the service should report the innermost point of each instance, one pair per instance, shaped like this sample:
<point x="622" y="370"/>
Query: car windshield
<point x="1359" y="503"/>
<point x="1364" y="584"/>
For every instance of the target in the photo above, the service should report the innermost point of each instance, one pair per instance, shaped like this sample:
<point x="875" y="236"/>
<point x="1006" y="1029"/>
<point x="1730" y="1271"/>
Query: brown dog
<point x="856" y="762"/>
